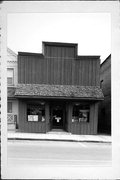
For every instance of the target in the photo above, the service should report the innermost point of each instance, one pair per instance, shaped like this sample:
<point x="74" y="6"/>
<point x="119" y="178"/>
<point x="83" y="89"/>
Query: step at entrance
<point x="58" y="131"/>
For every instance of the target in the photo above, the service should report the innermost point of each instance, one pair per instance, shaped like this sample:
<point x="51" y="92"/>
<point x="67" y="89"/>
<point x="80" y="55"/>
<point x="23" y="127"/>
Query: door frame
<point x="63" y="108"/>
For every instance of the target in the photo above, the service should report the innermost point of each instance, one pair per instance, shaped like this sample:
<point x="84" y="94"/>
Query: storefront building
<point x="58" y="90"/>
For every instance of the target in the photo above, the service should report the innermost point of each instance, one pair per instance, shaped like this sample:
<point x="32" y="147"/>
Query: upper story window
<point x="9" y="107"/>
<point x="10" y="73"/>
<point x="101" y="83"/>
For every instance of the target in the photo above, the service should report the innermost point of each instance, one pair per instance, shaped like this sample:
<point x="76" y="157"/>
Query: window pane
<point x="80" y="113"/>
<point x="36" y="112"/>
<point x="9" y="107"/>
<point x="9" y="76"/>
<point x="9" y="72"/>
<point x="9" y="81"/>
<point x="32" y="117"/>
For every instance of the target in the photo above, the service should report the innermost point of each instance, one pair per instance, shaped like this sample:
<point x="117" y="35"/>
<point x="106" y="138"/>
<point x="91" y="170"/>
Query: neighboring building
<point x="12" y="81"/>
<point x="58" y="90"/>
<point x="0" y="74"/>
<point x="104" y="125"/>
<point x="0" y="92"/>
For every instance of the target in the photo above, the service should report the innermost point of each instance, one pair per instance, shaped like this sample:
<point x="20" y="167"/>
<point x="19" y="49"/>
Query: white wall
<point x="12" y="63"/>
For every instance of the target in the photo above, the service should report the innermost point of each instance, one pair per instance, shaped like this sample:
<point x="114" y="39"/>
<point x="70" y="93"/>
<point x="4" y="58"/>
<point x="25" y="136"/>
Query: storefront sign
<point x="33" y="118"/>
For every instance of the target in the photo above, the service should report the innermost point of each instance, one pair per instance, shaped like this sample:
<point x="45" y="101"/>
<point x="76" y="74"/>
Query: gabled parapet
<point x="59" y="49"/>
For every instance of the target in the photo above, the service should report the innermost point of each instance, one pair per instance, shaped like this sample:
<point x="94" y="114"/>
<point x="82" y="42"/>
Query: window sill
<point x="10" y="85"/>
<point x="79" y="122"/>
<point x="36" y="121"/>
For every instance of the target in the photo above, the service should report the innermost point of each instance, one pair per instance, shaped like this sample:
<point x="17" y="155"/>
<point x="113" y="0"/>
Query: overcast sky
<point x="92" y="31"/>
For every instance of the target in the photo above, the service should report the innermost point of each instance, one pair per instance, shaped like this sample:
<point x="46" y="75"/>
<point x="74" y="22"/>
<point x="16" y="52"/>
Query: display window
<point x="36" y="113"/>
<point x="80" y="113"/>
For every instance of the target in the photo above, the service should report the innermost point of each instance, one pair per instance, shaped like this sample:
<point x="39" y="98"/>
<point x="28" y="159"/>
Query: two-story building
<point x="58" y="90"/>
<point x="12" y="81"/>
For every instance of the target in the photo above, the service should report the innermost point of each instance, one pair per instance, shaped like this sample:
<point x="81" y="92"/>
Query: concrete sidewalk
<point x="59" y="136"/>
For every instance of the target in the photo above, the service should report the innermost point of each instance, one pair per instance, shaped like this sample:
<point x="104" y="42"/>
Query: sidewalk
<point x="59" y="136"/>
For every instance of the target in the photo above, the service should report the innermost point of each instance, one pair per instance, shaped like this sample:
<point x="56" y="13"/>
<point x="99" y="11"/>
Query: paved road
<point x="47" y="153"/>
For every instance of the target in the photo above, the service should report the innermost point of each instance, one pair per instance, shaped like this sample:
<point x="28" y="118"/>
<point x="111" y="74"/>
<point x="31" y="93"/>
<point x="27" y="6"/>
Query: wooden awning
<point x="11" y="92"/>
<point x="59" y="91"/>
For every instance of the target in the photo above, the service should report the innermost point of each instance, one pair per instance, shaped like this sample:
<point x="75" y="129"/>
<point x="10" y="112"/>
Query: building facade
<point x="104" y="125"/>
<point x="12" y="81"/>
<point x="58" y="90"/>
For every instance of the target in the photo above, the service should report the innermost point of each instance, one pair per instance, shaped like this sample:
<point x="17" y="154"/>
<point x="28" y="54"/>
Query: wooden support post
<point x="69" y="120"/>
<point x="47" y="117"/>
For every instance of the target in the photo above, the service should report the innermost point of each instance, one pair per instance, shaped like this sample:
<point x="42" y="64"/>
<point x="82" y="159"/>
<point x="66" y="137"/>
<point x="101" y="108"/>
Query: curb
<point x="65" y="140"/>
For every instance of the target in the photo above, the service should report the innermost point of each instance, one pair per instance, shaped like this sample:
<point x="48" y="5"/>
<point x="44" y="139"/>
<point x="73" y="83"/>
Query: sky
<point x="92" y="31"/>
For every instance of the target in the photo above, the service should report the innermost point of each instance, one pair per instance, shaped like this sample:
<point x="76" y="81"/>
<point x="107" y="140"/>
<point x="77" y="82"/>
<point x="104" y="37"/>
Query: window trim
<point x="88" y="112"/>
<point x="42" y="117"/>
<point x="11" y="107"/>
<point x="10" y="77"/>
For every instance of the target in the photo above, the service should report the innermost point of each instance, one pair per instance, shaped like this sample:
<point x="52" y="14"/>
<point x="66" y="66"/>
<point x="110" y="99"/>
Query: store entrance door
<point x="57" y="117"/>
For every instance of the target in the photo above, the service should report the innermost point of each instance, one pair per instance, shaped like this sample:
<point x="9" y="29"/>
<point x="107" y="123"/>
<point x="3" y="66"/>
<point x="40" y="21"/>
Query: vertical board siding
<point x="90" y="72"/>
<point x="24" y="125"/>
<point x="59" y="66"/>
<point x="73" y="127"/>
<point x="59" y="51"/>
<point x="69" y="116"/>
<point x="94" y="64"/>
<point x="98" y="73"/>
<point x="96" y="119"/>
<point x="89" y="127"/>
<point x="34" y="70"/>
<point x="47" y="117"/>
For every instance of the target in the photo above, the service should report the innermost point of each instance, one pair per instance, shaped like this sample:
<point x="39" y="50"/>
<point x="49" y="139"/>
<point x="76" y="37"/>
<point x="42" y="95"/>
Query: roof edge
<point x="88" y="56"/>
<point x="106" y="60"/>
<point x="30" y="54"/>
<point x="59" y="97"/>
<point x="11" y="52"/>
<point x="59" y="43"/>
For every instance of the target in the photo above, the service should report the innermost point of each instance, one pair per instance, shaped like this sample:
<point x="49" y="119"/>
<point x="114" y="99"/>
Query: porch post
<point x="47" y="117"/>
<point x="69" y="120"/>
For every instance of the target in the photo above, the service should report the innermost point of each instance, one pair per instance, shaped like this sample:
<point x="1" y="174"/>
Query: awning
<point x="59" y="91"/>
<point x="11" y="92"/>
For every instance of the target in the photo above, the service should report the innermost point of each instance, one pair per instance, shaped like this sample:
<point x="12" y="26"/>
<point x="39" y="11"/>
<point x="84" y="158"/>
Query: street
<point x="55" y="159"/>
<point x="45" y="153"/>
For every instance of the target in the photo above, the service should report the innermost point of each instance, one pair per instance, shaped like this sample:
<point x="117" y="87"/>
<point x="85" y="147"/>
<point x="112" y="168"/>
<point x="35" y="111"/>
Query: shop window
<point x="9" y="107"/>
<point x="36" y="113"/>
<point x="80" y="113"/>
<point x="10" y="73"/>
